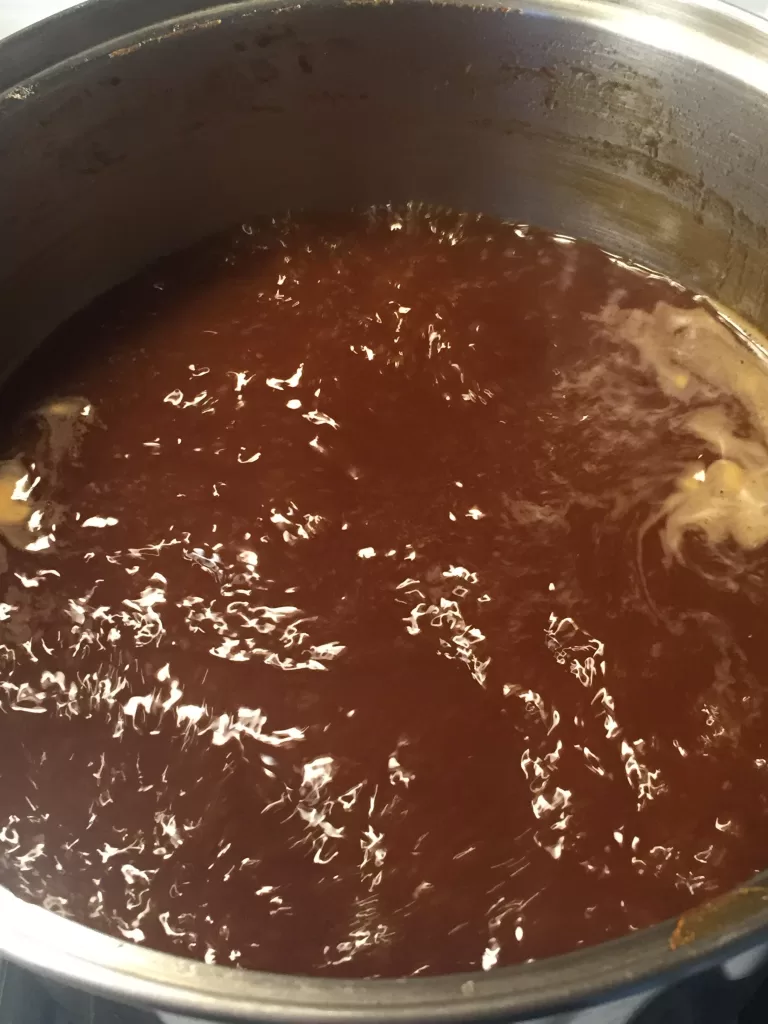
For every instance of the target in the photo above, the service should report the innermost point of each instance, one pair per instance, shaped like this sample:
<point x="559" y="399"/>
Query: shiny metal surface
<point x="640" y="126"/>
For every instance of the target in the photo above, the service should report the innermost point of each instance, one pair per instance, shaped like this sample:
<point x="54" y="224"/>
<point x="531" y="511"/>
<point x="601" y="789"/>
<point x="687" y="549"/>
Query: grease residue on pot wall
<point x="373" y="631"/>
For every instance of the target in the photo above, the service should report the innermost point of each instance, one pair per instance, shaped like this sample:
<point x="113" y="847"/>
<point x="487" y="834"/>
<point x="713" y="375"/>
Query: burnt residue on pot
<point x="180" y="29"/>
<point x="718" y="915"/>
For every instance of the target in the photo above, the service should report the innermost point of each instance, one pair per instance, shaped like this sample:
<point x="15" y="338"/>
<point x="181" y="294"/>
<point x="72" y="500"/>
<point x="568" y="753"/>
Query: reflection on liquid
<point x="391" y="603"/>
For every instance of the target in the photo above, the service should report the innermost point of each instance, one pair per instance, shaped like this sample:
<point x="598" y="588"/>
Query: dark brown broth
<point x="341" y="652"/>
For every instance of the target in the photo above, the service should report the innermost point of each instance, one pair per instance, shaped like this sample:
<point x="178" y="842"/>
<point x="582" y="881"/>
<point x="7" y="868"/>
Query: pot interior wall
<point x="110" y="161"/>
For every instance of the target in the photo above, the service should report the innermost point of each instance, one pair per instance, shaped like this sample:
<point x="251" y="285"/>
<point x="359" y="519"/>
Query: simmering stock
<point x="384" y="594"/>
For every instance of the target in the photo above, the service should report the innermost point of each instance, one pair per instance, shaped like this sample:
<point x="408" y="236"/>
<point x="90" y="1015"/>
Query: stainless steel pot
<point x="131" y="127"/>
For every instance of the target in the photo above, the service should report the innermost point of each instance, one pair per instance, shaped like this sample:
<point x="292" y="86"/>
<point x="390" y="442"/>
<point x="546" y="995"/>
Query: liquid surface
<point x="384" y="595"/>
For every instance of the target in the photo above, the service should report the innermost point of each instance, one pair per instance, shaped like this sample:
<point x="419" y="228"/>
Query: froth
<point x="695" y="357"/>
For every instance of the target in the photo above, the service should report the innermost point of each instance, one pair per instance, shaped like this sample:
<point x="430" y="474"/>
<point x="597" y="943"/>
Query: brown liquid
<point x="347" y="642"/>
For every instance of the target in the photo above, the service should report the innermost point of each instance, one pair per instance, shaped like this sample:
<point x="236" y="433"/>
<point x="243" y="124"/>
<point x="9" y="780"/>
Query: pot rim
<point x="73" y="954"/>
<point x="707" y="31"/>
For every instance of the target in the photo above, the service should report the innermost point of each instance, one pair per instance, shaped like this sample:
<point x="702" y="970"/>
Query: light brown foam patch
<point x="63" y="420"/>
<point x="696" y="357"/>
